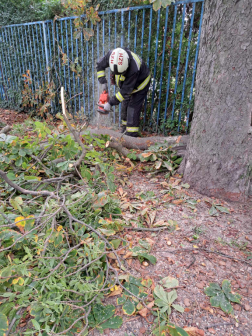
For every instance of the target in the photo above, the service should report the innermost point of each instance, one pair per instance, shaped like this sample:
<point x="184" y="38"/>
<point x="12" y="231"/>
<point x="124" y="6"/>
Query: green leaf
<point x="226" y="286"/>
<point x="3" y="324"/>
<point x="172" y="296"/>
<point x="149" y="257"/>
<point x="169" y="282"/>
<point x="11" y="176"/>
<point x="116" y="243"/>
<point x="213" y="289"/>
<point x="102" y="313"/>
<point x="30" y="178"/>
<point x="16" y="202"/>
<point x="121" y="300"/>
<point x="113" y="323"/>
<point x="160" y="293"/>
<point x="176" y="331"/>
<point x="233" y="297"/>
<point x="213" y="211"/>
<point x="107" y="232"/>
<point x="178" y="308"/>
<point x="157" y="5"/>
<point x="222" y="209"/>
<point x="129" y="308"/>
<point x="35" y="324"/>
<point x="221" y="301"/>
<point x="134" y="281"/>
<point x="226" y="306"/>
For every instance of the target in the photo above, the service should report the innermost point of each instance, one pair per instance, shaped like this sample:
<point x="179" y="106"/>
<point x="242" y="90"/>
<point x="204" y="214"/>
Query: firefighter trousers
<point x="131" y="110"/>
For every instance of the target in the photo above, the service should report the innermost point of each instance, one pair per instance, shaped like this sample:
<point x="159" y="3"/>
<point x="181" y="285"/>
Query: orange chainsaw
<point x="104" y="98"/>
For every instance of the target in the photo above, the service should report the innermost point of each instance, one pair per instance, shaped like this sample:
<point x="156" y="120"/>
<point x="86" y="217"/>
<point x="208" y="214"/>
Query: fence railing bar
<point x="36" y="60"/>
<point x="3" y="70"/>
<point x="170" y="64"/>
<point x="148" y="58"/>
<point x="115" y="21"/>
<point x="72" y="56"/>
<point x="195" y="64"/>
<point x="83" y="74"/>
<point x="98" y="57"/>
<point x="155" y="68"/>
<point x="135" y="40"/>
<point x="93" y="74"/>
<point x="142" y="38"/>
<point x="41" y="28"/>
<point x="88" y="87"/>
<point x="46" y="52"/>
<point x="63" y="50"/>
<point x="103" y="34"/>
<point x="163" y="56"/>
<point x="186" y="65"/>
<point x="32" y="59"/>
<point x="17" y="46"/>
<point x="178" y="62"/>
<point x="67" y="52"/>
<point x="59" y="60"/>
<point x="7" y="60"/>
<point x="39" y="56"/>
<point x="11" y="44"/>
<point x="122" y="33"/>
<point x="129" y="25"/>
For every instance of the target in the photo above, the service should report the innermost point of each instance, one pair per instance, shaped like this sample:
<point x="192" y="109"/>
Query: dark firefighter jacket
<point x="135" y="79"/>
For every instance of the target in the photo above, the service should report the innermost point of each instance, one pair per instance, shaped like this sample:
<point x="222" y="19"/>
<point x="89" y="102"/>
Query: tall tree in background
<point x="219" y="156"/>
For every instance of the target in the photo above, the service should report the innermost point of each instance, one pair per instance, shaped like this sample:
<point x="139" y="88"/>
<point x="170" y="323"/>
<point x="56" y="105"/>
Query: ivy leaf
<point x="129" y="308"/>
<point x="3" y="324"/>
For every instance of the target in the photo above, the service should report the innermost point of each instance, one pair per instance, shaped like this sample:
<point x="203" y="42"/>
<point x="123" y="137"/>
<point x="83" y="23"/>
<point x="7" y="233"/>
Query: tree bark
<point x="142" y="143"/>
<point x="219" y="157"/>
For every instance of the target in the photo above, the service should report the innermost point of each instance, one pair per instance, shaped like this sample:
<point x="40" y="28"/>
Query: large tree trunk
<point x="219" y="156"/>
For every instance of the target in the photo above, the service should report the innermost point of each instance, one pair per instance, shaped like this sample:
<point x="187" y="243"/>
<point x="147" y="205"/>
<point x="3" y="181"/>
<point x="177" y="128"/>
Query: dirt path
<point x="195" y="229"/>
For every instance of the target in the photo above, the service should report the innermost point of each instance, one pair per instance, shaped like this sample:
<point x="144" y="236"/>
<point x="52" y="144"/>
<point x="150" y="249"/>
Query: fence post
<point x="46" y="50"/>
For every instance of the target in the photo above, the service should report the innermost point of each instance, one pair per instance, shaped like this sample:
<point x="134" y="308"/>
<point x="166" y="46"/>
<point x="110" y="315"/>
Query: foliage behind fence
<point x="54" y="54"/>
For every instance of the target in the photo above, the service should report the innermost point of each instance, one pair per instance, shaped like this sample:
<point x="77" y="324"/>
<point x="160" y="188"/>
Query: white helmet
<point x="119" y="61"/>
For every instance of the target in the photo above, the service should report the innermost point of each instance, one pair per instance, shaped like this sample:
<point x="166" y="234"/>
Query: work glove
<point x="107" y="107"/>
<point x="105" y="87"/>
<point x="104" y="109"/>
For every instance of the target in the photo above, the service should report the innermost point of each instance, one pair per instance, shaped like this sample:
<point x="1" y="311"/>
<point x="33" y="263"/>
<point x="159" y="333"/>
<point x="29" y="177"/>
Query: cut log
<point x="5" y="130"/>
<point x="143" y="143"/>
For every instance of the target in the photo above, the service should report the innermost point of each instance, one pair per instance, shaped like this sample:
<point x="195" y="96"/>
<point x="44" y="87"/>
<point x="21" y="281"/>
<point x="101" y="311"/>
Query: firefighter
<point x="132" y="76"/>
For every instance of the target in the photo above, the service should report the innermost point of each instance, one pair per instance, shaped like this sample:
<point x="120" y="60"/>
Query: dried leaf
<point x="193" y="331"/>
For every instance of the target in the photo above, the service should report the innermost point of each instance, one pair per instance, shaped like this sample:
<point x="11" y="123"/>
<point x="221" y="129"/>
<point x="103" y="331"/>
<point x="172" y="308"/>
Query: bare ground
<point x="230" y="234"/>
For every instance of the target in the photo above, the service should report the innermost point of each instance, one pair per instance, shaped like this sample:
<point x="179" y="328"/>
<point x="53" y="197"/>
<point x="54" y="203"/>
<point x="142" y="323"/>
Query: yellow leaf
<point x="195" y="246"/>
<point x="20" y="223"/>
<point x="21" y="281"/>
<point x="59" y="228"/>
<point x="15" y="281"/>
<point x="36" y="238"/>
<point x="39" y="135"/>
